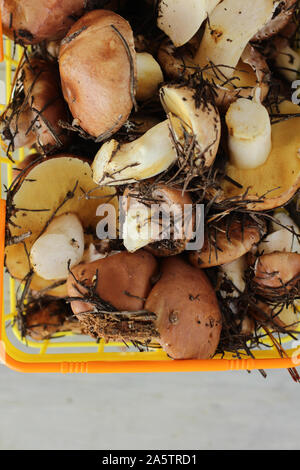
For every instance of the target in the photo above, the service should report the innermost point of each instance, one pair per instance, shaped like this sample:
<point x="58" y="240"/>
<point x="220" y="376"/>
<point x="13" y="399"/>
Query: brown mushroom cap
<point x="278" y="270"/>
<point x="31" y="21"/>
<point x="188" y="315"/>
<point x="36" y="108"/>
<point x="223" y="245"/>
<point x="124" y="280"/>
<point x="42" y="90"/>
<point x="42" y="320"/>
<point x="98" y="69"/>
<point x="173" y="197"/>
<point x="278" y="22"/>
<point x="275" y="182"/>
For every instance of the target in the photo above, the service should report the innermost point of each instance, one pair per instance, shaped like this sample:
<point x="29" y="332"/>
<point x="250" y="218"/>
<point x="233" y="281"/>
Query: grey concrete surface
<point x="225" y="410"/>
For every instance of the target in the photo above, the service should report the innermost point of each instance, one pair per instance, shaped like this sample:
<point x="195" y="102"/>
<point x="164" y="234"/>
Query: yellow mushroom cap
<point x="40" y="195"/>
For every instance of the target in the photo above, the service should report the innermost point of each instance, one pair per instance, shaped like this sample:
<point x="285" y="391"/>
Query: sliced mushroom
<point x="49" y="189"/>
<point x="275" y="182"/>
<point x="226" y="243"/>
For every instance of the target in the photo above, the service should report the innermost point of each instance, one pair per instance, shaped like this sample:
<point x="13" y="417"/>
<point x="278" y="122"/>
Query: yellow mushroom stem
<point x="249" y="133"/>
<point x="149" y="76"/>
<point x="59" y="247"/>
<point x="147" y="156"/>
<point x="154" y="152"/>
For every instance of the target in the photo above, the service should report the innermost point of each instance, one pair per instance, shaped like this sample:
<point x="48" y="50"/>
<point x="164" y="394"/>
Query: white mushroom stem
<point x="249" y="134"/>
<point x="154" y="151"/>
<point x="282" y="239"/>
<point x="288" y="63"/>
<point x="91" y="254"/>
<point x="136" y="230"/>
<point x="235" y="271"/>
<point x="149" y="76"/>
<point x="200" y="121"/>
<point x="181" y="19"/>
<point x="231" y="26"/>
<point x="60" y="246"/>
<point x="284" y="219"/>
<point x="143" y="158"/>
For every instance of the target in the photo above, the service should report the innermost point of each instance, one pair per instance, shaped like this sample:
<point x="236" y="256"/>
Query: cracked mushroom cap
<point x="224" y="244"/>
<point x="188" y="314"/>
<point x="97" y="64"/>
<point x="275" y="182"/>
<point x="35" y="196"/>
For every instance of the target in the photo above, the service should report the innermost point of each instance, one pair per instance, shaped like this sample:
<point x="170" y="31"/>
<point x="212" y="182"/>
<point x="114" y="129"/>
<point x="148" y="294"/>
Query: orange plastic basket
<point x="71" y="353"/>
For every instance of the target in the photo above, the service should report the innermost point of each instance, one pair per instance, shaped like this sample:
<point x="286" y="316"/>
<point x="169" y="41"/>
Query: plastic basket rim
<point x="130" y="366"/>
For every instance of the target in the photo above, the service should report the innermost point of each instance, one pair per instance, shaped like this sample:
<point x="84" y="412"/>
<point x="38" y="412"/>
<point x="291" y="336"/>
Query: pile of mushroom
<point x="153" y="207"/>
